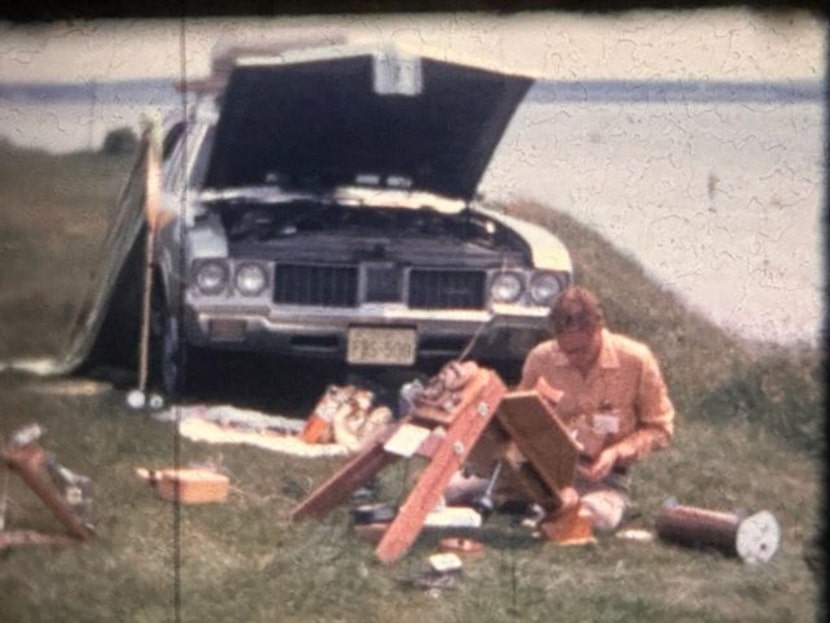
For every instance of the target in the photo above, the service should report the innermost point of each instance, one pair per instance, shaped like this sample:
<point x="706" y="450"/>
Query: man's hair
<point x="576" y="309"/>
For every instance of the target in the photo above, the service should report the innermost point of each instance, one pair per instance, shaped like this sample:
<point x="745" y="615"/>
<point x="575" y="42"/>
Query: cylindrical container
<point x="698" y="527"/>
<point x="754" y="538"/>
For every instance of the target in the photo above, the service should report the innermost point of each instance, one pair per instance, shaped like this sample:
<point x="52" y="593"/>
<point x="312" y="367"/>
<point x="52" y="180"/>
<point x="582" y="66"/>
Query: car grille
<point x="326" y="286"/>
<point x="446" y="289"/>
<point x="383" y="283"/>
<point x="338" y="286"/>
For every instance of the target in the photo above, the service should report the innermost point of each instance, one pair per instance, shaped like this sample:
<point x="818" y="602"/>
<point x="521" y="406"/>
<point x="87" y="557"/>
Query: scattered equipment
<point x="445" y="438"/>
<point x="460" y="545"/>
<point x="67" y="494"/>
<point x="527" y="439"/>
<point x="484" y="504"/>
<point x="187" y="486"/>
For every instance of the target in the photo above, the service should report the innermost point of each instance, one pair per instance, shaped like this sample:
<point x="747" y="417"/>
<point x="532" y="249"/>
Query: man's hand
<point x="602" y="466"/>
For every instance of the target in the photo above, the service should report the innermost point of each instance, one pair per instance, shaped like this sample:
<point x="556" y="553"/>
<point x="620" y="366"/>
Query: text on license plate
<point x="373" y="345"/>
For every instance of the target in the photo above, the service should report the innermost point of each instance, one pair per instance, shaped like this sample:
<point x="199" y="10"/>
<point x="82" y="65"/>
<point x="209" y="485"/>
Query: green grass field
<point x="749" y="436"/>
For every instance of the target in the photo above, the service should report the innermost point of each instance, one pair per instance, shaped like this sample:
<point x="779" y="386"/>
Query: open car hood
<point x="360" y="118"/>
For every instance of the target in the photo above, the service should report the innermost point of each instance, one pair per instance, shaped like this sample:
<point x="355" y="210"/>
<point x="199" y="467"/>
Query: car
<point x="322" y="203"/>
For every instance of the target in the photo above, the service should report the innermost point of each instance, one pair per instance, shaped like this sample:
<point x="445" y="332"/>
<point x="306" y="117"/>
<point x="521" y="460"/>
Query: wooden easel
<point x="535" y="446"/>
<point x="28" y="461"/>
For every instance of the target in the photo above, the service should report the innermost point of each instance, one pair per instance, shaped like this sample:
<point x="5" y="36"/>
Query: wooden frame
<point x="546" y="463"/>
<point x="450" y="441"/>
<point x="28" y="461"/>
<point x="543" y="456"/>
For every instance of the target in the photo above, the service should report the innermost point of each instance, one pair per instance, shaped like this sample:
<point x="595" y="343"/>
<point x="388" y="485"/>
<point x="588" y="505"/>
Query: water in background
<point x="65" y="118"/>
<point x="716" y="190"/>
<point x="721" y="203"/>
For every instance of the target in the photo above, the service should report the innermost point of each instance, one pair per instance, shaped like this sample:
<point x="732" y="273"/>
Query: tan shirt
<point x="622" y="400"/>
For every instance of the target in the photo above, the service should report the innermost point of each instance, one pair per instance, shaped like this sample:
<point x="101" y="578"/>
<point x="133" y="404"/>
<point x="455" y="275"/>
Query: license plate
<point x="371" y="345"/>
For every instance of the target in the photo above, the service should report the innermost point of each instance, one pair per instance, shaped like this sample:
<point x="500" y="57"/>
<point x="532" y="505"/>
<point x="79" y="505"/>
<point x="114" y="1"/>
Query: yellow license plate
<point x="372" y="345"/>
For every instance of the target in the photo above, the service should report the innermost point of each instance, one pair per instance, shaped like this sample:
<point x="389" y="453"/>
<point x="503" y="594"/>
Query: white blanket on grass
<point x="232" y="425"/>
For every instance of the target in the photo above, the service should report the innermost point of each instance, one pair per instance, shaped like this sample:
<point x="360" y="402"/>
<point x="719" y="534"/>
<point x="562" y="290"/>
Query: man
<point x="608" y="391"/>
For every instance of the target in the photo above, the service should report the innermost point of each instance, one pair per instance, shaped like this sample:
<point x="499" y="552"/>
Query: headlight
<point x="212" y="277"/>
<point x="250" y="279"/>
<point x="544" y="287"/>
<point x="506" y="288"/>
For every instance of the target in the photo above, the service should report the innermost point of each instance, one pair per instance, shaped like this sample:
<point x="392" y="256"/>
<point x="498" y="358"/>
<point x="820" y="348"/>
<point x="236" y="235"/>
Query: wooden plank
<point x="476" y="409"/>
<point x="16" y="538"/>
<point x="357" y="472"/>
<point x="431" y="444"/>
<point x="541" y="438"/>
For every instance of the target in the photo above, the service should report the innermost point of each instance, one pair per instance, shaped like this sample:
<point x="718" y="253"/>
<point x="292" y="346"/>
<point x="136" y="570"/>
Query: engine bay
<point x="252" y="226"/>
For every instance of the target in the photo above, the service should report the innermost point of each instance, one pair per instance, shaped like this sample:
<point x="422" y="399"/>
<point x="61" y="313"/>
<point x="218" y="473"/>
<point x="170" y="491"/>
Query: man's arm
<point x="655" y="424"/>
<point x="655" y="416"/>
<point x="531" y="372"/>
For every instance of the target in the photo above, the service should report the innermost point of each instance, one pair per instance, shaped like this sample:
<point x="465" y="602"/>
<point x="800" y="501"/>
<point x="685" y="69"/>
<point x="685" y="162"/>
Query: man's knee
<point x="607" y="509"/>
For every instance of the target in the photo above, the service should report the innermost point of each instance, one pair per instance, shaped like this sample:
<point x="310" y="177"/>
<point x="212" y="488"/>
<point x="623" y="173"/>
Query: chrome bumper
<point x="504" y="334"/>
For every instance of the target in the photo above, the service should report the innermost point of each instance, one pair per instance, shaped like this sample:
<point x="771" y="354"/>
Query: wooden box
<point x="188" y="486"/>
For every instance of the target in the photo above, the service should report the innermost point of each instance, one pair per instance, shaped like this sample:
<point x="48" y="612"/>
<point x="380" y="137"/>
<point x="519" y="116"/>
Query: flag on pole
<point x="152" y="201"/>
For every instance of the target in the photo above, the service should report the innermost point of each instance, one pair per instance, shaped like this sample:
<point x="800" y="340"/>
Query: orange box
<point x="316" y="429"/>
<point x="188" y="486"/>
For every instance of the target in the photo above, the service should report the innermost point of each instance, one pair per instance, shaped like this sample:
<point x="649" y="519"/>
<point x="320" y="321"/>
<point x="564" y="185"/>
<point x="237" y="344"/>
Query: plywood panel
<point x="541" y="438"/>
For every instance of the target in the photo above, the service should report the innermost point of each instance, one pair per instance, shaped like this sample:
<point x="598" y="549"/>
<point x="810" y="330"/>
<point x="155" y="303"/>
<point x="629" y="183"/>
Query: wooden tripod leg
<point x="461" y="436"/>
<point x="337" y="489"/>
<point x="27" y="461"/>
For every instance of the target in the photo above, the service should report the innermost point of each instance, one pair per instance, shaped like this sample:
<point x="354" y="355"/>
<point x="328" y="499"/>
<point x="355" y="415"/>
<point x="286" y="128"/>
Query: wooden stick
<point x="30" y="537"/>
<point x="151" y="208"/>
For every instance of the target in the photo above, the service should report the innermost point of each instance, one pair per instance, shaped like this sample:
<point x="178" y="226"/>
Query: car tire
<point x="169" y="354"/>
<point x="175" y="358"/>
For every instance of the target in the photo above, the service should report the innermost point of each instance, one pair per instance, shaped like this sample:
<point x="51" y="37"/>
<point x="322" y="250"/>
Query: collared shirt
<point x="622" y="400"/>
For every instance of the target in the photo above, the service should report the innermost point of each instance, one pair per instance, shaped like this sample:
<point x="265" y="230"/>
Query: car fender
<point x="547" y="250"/>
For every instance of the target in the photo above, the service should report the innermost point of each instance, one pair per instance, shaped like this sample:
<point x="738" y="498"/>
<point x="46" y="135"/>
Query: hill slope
<point x="711" y="374"/>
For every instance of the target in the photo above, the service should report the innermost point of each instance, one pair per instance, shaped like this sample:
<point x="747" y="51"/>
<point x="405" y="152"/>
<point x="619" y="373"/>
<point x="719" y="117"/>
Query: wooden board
<point x="541" y="438"/>
<point x="357" y="472"/>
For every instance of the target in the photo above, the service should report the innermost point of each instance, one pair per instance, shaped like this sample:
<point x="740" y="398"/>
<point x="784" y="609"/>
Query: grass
<point x="749" y="436"/>
<point x="54" y="214"/>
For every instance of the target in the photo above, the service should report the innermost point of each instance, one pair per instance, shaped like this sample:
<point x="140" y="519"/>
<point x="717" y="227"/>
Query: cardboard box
<point x="188" y="486"/>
